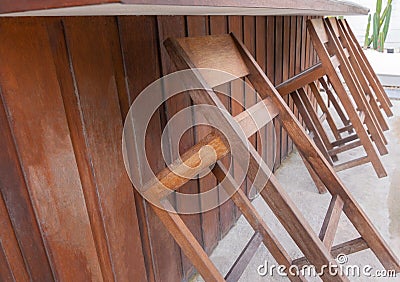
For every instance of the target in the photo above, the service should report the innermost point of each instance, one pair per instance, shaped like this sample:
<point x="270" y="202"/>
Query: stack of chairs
<point x="361" y="109"/>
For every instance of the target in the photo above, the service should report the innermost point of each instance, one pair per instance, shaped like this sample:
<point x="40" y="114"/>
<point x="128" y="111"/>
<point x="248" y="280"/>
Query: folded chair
<point x="328" y="45"/>
<point x="226" y="53"/>
<point x="295" y="87"/>
<point x="369" y="72"/>
<point x="362" y="120"/>
<point x="359" y="73"/>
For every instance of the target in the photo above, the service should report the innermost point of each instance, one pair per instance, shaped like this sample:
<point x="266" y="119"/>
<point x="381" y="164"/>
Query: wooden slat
<point x="344" y="140"/>
<point x="261" y="53"/>
<point x="200" y="26"/>
<point x="12" y="263"/>
<point x="175" y="27"/>
<point x="235" y="25"/>
<point x="244" y="258"/>
<point x="50" y="170"/>
<point x="324" y="109"/>
<point x="333" y="100"/>
<point x="220" y="25"/>
<point x="158" y="245"/>
<point x="114" y="190"/>
<point x="313" y="115"/>
<point x="14" y="191"/>
<point x="331" y="221"/>
<point x="277" y="80"/>
<point x="250" y="96"/>
<point x="301" y="79"/>
<point x="285" y="76"/>
<point x="6" y="274"/>
<point x="346" y="248"/>
<point x="270" y="72"/>
<point x="352" y="163"/>
<point x="344" y="148"/>
<point x="292" y="66"/>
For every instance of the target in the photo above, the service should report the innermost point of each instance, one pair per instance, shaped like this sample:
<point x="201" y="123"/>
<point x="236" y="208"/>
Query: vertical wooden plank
<point x="292" y="66"/>
<point x="228" y="211"/>
<point x="19" y="207"/>
<point x="11" y="260"/>
<point x="32" y="98"/>
<point x="250" y="96"/>
<point x="235" y="25"/>
<point x="140" y="47"/>
<point x="199" y="26"/>
<point x="261" y="52"/>
<point x="5" y="271"/>
<point x="270" y="70"/>
<point x="95" y="76"/>
<point x="278" y="79"/>
<point x="62" y="64"/>
<point x="176" y="27"/>
<point x="285" y="76"/>
<point x="219" y="25"/>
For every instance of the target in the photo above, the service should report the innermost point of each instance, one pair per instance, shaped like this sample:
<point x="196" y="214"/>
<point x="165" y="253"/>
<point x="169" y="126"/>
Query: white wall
<point x="359" y="23"/>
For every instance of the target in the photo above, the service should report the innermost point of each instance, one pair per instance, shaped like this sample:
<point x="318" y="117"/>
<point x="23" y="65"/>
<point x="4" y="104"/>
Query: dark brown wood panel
<point x="285" y="76"/>
<point x="250" y="96"/>
<point x="211" y="219"/>
<point x="96" y="83"/>
<point x="278" y="69"/>
<point x="32" y="98"/>
<point x="158" y="245"/>
<point x="19" y="207"/>
<point x="11" y="260"/>
<point x="235" y="25"/>
<point x="176" y="27"/>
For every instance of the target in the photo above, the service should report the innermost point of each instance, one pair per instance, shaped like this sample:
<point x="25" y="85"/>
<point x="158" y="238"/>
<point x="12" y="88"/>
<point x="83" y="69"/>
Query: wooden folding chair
<point x="226" y="53"/>
<point x="358" y="71"/>
<point x="356" y="107"/>
<point x="328" y="45"/>
<point x="331" y="148"/>
<point x="369" y="72"/>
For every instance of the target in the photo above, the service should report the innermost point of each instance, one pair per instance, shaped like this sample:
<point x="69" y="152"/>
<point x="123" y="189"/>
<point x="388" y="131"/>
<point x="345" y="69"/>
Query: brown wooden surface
<point x="320" y="7"/>
<point x="50" y="167"/>
<point x="19" y="207"/>
<point x="74" y="79"/>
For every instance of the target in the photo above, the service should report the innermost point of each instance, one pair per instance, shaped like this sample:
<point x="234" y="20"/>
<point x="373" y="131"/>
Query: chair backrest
<point x="334" y="24"/>
<point x="319" y="27"/>
<point x="217" y="52"/>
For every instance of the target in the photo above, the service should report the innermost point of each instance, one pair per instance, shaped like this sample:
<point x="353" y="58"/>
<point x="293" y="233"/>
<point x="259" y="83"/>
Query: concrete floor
<point x="380" y="199"/>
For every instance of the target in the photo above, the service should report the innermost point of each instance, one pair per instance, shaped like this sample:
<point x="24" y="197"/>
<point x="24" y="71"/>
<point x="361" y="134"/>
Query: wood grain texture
<point x="50" y="169"/>
<point x="157" y="248"/>
<point x="175" y="27"/>
<point x="19" y="207"/>
<point x="12" y="264"/>
<point x="235" y="25"/>
<point x="113" y="59"/>
<point x="96" y="79"/>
